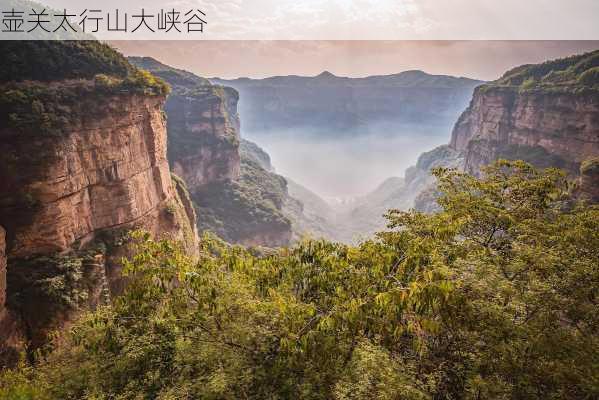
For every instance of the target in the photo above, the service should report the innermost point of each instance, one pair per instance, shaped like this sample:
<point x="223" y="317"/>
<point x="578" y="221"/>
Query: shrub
<point x="590" y="77"/>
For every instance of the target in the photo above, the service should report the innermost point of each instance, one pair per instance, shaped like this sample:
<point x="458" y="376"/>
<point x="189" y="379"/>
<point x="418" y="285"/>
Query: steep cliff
<point x="235" y="196"/>
<point x="202" y="123"/>
<point x="547" y="114"/>
<point x="83" y="162"/>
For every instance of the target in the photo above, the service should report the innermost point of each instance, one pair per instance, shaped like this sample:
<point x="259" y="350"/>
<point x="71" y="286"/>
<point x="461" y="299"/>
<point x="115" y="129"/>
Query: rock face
<point x="108" y="171"/>
<point x="208" y="122"/>
<point x="587" y="187"/>
<point x="203" y="126"/>
<point x="248" y="210"/>
<point x="546" y="114"/>
<point x="84" y="162"/>
<point x="547" y="129"/>
<point x="237" y="196"/>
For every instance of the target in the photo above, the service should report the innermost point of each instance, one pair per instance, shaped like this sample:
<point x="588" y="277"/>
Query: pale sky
<point x="373" y="19"/>
<point x="485" y="60"/>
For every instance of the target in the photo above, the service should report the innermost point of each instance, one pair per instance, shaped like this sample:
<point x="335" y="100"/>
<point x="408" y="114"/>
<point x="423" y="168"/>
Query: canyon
<point x="95" y="149"/>
<point x="234" y="195"/>
<point x="546" y="114"/>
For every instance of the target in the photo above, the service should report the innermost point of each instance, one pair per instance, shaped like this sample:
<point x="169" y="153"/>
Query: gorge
<point x="96" y="145"/>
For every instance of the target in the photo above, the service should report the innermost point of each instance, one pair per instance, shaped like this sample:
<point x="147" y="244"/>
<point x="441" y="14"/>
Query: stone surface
<point x="108" y="171"/>
<point x="62" y="194"/>
<point x="545" y="128"/>
<point x="204" y="135"/>
<point x="237" y="199"/>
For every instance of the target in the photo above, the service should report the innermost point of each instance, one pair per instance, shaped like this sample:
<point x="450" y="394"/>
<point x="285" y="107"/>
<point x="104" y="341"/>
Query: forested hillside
<point x="492" y="297"/>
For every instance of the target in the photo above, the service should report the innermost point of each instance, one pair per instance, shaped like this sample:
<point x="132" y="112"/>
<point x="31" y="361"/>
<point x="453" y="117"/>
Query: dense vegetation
<point x="180" y="80"/>
<point x="494" y="297"/>
<point x="240" y="209"/>
<point x="570" y="73"/>
<point x="44" y="84"/>
<point x="45" y="60"/>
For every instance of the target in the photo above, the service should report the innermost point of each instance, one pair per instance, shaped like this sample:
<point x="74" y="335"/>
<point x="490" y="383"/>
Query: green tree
<point x="494" y="297"/>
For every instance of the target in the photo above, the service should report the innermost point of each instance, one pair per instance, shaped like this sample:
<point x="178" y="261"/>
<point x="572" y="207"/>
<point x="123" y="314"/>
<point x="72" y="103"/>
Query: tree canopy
<point x="493" y="297"/>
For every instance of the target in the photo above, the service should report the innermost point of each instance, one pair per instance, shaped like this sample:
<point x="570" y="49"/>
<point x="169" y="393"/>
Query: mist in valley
<point x="341" y="168"/>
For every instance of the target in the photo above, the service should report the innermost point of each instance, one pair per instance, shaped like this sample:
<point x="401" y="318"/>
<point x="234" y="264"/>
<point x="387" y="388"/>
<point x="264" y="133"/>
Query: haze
<point x="333" y="165"/>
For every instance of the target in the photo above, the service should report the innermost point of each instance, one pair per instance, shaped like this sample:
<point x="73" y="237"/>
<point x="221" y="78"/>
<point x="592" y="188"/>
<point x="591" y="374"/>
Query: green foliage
<point x="236" y="210"/>
<point x="58" y="280"/>
<point x="53" y="109"/>
<point x="590" y="166"/>
<point x="182" y="81"/>
<point x="590" y="77"/>
<point x="493" y="297"/>
<point x="16" y="384"/>
<point x="79" y="72"/>
<point x="45" y="60"/>
<point x="571" y="74"/>
<point x="146" y="83"/>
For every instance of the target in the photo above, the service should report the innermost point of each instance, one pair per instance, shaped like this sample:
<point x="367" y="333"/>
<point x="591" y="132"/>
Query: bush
<point x="590" y="77"/>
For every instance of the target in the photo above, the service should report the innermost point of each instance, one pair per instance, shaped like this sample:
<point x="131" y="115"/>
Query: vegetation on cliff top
<point x="44" y="82"/>
<point x="493" y="297"/>
<point x="575" y="73"/>
<point x="179" y="79"/>
<point x="47" y="61"/>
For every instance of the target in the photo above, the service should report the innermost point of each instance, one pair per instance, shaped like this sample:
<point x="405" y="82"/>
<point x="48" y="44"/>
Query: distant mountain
<point x="340" y="105"/>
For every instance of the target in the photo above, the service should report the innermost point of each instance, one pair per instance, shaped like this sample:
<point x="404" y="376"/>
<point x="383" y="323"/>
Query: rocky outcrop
<point x="204" y="135"/>
<point x="105" y="172"/>
<point x="546" y="114"/>
<point x="542" y="127"/>
<point x="63" y="195"/>
<point x="84" y="162"/>
<point x="237" y="196"/>
<point x="203" y="126"/>
<point x="587" y="186"/>
<point x="248" y="210"/>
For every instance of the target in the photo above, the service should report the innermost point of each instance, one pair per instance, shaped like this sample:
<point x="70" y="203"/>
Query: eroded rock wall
<point x="108" y="170"/>
<point x="68" y="197"/>
<point x="559" y="129"/>
<point x="204" y="135"/>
